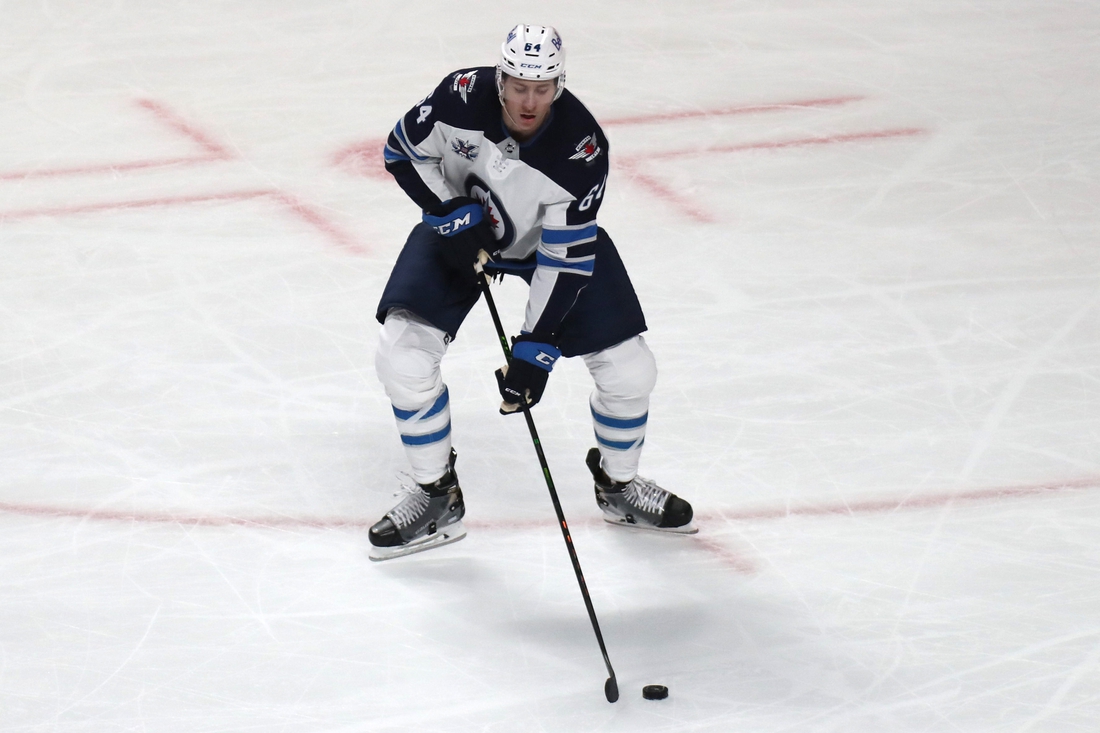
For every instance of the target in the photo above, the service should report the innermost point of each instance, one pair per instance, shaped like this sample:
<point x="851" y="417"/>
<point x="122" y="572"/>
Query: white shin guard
<point x="625" y="376"/>
<point x="408" y="365"/>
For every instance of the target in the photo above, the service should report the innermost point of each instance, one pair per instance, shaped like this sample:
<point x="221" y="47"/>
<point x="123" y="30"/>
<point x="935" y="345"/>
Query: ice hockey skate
<point x="639" y="503"/>
<point x="428" y="516"/>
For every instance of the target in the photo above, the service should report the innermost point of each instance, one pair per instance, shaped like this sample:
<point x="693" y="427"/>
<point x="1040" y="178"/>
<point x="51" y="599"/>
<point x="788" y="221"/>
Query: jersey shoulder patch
<point x="464" y="83"/>
<point x="588" y="149"/>
<point x="468" y="86"/>
<point x="581" y="138"/>
<point x="465" y="99"/>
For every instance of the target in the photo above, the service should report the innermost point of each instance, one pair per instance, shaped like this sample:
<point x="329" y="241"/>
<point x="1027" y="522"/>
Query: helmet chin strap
<point x="511" y="119"/>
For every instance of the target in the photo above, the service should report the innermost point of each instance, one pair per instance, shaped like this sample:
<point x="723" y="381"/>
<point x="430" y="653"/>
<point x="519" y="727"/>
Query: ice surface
<point x="865" y="235"/>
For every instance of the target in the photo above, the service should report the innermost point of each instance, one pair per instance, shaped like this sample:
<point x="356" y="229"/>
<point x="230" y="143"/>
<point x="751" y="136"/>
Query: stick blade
<point x="611" y="689"/>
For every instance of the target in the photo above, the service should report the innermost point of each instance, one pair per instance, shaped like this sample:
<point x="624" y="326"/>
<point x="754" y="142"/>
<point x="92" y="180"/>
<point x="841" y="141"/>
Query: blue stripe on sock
<point x="620" y="445"/>
<point x="426" y="439"/>
<point x="438" y="407"/>
<point x="619" y="423"/>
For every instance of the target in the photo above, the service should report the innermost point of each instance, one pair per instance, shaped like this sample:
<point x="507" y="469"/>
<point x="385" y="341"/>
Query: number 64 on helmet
<point x="532" y="52"/>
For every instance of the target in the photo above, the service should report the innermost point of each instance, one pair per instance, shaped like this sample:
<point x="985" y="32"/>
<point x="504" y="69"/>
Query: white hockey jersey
<point x="541" y="196"/>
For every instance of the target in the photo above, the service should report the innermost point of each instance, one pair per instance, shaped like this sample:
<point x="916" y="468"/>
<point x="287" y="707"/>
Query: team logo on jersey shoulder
<point x="587" y="149"/>
<point x="464" y="84"/>
<point x="466" y="149"/>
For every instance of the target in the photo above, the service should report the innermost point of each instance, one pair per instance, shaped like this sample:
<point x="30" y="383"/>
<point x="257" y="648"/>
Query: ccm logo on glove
<point x="542" y="355"/>
<point x="455" y="221"/>
<point x="524" y="379"/>
<point x="464" y="231"/>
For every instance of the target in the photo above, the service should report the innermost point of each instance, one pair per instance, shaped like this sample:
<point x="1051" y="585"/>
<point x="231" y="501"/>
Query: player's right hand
<point x="525" y="377"/>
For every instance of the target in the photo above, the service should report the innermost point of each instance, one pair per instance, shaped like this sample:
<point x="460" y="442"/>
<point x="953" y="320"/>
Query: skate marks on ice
<point x="718" y="527"/>
<point x="211" y="151"/>
<point x="232" y="183"/>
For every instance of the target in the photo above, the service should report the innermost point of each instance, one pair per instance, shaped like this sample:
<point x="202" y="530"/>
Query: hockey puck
<point x="654" y="692"/>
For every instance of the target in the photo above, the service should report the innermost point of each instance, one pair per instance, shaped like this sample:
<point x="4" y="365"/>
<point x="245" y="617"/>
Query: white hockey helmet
<point x="533" y="52"/>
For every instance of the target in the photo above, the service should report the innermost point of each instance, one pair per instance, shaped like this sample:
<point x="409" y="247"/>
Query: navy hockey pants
<point x="607" y="311"/>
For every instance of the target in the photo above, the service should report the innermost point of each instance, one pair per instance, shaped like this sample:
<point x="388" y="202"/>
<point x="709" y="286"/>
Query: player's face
<point x="526" y="105"/>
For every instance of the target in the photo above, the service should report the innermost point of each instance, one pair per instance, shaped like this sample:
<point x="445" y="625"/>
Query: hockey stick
<point x="611" y="687"/>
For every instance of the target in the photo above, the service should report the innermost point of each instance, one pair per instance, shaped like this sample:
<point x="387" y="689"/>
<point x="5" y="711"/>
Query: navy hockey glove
<point x="465" y="230"/>
<point x="532" y="360"/>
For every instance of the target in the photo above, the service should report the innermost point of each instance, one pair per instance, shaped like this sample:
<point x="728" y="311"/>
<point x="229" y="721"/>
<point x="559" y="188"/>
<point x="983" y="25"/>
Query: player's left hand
<point x="464" y="233"/>
<point x="525" y="377"/>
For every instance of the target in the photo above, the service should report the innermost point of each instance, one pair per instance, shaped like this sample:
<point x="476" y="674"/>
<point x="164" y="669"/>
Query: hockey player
<point x="507" y="162"/>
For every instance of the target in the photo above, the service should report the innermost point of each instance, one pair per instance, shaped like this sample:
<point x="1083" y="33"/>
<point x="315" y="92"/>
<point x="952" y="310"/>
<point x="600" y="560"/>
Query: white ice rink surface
<point x="866" y="237"/>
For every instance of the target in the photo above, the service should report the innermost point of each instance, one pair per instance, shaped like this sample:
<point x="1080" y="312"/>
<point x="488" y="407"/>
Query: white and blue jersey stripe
<point x="568" y="236"/>
<point x="568" y="249"/>
<point x="404" y="150"/>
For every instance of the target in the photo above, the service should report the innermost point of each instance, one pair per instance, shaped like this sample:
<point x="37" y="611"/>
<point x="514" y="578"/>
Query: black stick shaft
<point x="611" y="689"/>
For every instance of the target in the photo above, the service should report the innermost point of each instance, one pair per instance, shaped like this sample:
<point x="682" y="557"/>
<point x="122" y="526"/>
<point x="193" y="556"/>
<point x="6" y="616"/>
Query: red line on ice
<point x="80" y="170"/>
<point x="662" y="191"/>
<point x="866" y="506"/>
<point x="290" y="203"/>
<point x="728" y="111"/>
<point x="312" y="216"/>
<point x="712" y="546"/>
<point x="177" y="123"/>
<point x="212" y="151"/>
<point x="363" y="158"/>
<point x="202" y="520"/>
<point x="850" y="137"/>
<point x="924" y="501"/>
<point x="632" y="164"/>
<point x="739" y="563"/>
<point x="131" y="204"/>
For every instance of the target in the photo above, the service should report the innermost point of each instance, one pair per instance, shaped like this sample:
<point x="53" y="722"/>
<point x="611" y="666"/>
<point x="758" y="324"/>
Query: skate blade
<point x="445" y="536"/>
<point x="688" y="528"/>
